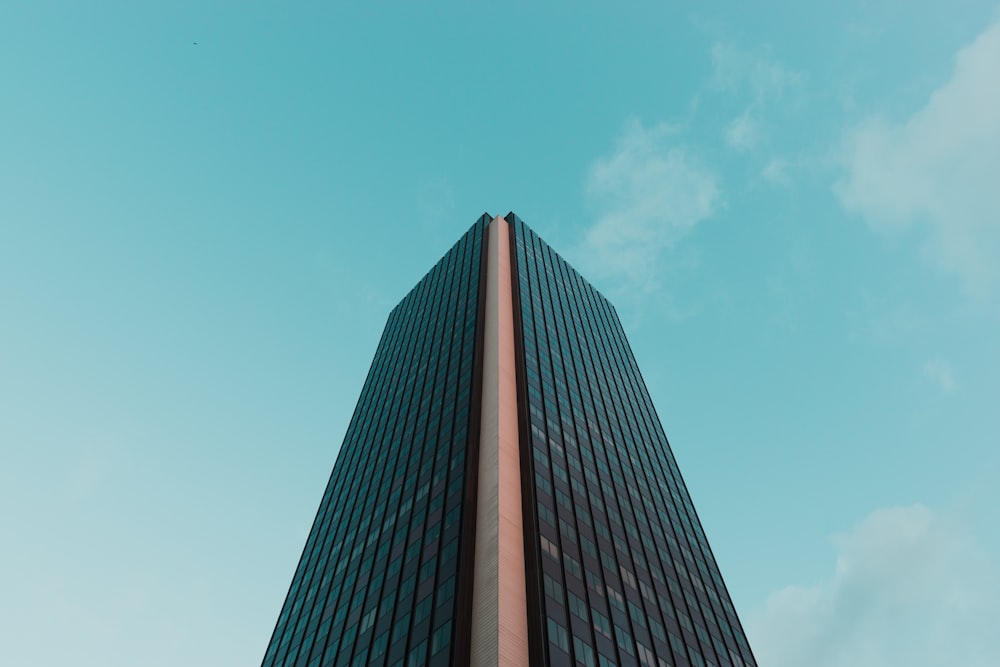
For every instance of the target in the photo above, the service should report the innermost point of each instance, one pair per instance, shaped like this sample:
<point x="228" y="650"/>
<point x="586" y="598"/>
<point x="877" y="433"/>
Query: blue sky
<point x="795" y="209"/>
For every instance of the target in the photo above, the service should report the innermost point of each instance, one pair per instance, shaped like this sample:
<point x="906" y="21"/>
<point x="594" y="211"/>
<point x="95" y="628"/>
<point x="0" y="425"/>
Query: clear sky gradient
<point x="207" y="210"/>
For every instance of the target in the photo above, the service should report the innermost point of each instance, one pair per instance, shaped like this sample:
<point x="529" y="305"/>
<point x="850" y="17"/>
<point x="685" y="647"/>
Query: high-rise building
<point x="505" y="493"/>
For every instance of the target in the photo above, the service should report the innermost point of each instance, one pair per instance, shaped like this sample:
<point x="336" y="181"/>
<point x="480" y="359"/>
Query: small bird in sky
<point x="195" y="43"/>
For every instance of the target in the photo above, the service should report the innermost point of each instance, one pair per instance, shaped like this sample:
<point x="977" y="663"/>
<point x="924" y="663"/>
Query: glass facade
<point x="618" y="570"/>
<point x="379" y="579"/>
<point x="624" y="573"/>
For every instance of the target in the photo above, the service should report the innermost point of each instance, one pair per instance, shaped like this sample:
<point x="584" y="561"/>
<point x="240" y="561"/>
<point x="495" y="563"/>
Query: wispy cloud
<point x="938" y="370"/>
<point x="648" y="194"/>
<point x="937" y="170"/>
<point x="776" y="171"/>
<point x="757" y="77"/>
<point x="654" y="189"/>
<point x="743" y="132"/>
<point x="909" y="588"/>
<point x="736" y="69"/>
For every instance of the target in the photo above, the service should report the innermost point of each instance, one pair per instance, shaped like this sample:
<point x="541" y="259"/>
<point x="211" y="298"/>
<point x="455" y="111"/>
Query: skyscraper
<point x="505" y="493"/>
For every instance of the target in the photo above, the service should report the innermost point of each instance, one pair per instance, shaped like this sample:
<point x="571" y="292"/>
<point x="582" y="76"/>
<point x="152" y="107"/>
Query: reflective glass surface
<point x="377" y="581"/>
<point x="625" y="573"/>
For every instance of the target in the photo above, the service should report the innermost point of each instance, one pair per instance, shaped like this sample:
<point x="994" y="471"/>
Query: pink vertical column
<point x="499" y="607"/>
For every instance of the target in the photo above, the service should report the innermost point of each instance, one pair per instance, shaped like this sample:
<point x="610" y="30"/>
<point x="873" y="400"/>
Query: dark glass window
<point x="375" y="540"/>
<point x="605" y="479"/>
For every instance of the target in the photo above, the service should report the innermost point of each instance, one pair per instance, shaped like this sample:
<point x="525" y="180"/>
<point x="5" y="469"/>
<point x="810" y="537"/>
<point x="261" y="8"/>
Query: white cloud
<point x="757" y="76"/>
<point x="938" y="370"/>
<point x="776" y="172"/>
<point x="743" y="132"/>
<point x="909" y="588"/>
<point x="735" y="69"/>
<point x="938" y="170"/>
<point x="649" y="194"/>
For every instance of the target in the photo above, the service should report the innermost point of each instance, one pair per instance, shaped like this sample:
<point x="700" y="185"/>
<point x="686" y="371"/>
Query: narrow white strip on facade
<point x="499" y="607"/>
